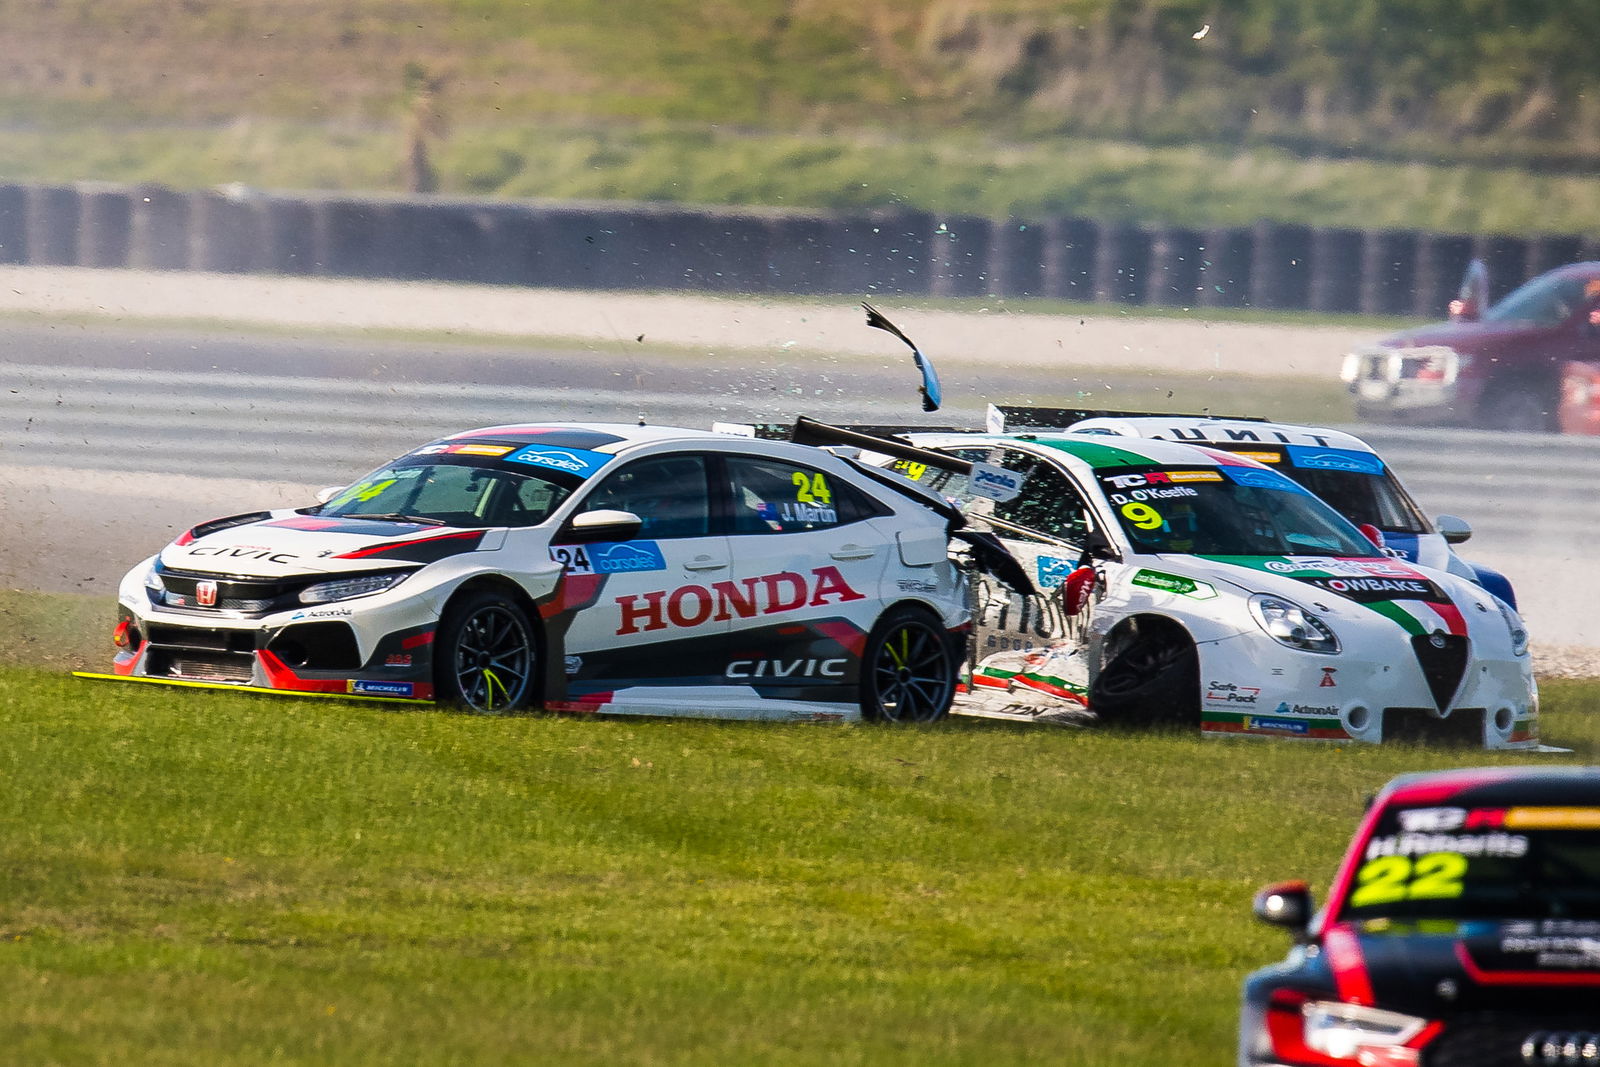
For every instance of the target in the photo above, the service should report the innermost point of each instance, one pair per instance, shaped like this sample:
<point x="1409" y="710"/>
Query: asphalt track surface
<point x="115" y="433"/>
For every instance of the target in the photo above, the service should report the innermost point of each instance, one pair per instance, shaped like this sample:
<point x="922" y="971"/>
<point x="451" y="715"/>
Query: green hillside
<point x="1477" y="115"/>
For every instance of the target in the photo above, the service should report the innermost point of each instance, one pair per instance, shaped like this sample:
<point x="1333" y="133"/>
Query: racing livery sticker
<point x="619" y="557"/>
<point x="1389" y="587"/>
<point x="556" y="436"/>
<point x="1231" y="693"/>
<point x="1374" y="589"/>
<point x="358" y="526"/>
<point x="380" y="688"/>
<point x="1220" y="721"/>
<point x="1174" y="583"/>
<point x="1257" y="478"/>
<point x="420" y="549"/>
<point x="693" y="605"/>
<point x="1334" y="459"/>
<point x="996" y="483"/>
<point x="1261" y="723"/>
<point x="575" y="461"/>
<point x="1053" y="571"/>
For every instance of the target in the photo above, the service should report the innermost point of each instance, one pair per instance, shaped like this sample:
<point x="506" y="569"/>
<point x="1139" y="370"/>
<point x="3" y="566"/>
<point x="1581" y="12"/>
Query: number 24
<point x="811" y="490"/>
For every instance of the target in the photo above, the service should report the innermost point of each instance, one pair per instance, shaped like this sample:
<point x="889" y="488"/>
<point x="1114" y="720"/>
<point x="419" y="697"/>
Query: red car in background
<point x="1529" y="363"/>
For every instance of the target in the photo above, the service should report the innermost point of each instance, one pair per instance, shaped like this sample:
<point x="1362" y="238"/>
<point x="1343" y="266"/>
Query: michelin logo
<point x="1287" y="726"/>
<point x="996" y="483"/>
<point x="381" y="689"/>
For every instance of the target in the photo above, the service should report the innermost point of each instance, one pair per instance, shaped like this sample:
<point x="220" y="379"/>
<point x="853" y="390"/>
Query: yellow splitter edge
<point x="245" y="688"/>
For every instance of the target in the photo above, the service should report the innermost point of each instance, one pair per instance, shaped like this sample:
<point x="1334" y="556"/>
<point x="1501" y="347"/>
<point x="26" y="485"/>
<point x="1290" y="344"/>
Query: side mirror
<point x="1453" y="530"/>
<point x="1286" y="904"/>
<point x="1473" y="299"/>
<point x="325" y="495"/>
<point x="601" y="524"/>
<point x="1373" y="534"/>
<point x="1075" y="590"/>
<point x="1098" y="546"/>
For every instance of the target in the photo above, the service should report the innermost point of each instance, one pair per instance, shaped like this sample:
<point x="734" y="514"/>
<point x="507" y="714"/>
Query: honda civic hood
<point x="287" y="544"/>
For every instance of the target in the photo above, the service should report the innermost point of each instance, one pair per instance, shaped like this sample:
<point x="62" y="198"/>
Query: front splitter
<point x="189" y="684"/>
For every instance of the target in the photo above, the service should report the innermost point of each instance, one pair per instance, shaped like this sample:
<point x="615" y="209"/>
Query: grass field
<point x="210" y="878"/>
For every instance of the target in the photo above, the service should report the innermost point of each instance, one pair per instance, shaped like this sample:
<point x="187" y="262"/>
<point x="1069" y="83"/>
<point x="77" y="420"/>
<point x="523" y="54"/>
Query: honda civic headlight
<point x="1519" y="632"/>
<point x="1289" y="624"/>
<point x="154" y="587"/>
<point x="345" y="588"/>
<point x="1345" y="1031"/>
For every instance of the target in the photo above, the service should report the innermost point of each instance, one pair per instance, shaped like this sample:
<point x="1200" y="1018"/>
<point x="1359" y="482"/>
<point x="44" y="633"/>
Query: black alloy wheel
<point x="908" y="669"/>
<point x="486" y="655"/>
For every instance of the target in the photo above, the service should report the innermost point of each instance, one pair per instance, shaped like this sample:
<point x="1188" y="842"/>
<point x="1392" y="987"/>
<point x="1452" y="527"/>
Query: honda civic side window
<point x="669" y="493"/>
<point x="771" y="496"/>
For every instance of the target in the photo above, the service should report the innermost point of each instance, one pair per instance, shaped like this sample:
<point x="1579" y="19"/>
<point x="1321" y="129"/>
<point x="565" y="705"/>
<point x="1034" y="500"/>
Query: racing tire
<point x="1518" y="408"/>
<point x="1153" y="678"/>
<point x="908" y="669"/>
<point x="485" y="655"/>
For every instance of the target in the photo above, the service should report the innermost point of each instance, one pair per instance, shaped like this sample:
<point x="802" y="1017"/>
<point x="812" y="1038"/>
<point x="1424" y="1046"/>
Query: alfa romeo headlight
<point x="1289" y="624"/>
<point x="345" y="588"/>
<point x="1345" y="1031"/>
<point x="1519" y="632"/>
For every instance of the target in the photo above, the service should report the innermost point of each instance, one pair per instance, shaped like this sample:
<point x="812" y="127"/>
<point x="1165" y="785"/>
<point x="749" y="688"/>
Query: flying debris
<point x="932" y="394"/>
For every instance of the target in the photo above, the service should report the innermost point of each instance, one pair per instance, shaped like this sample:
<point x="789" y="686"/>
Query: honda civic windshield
<point x="452" y="493"/>
<point x="1226" y="511"/>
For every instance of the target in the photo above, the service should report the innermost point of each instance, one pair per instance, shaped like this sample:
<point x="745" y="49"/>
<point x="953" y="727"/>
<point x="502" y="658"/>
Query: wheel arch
<point x="1138" y="625"/>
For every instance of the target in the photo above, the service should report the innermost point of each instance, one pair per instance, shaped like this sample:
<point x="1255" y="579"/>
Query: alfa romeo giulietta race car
<point x="623" y="569"/>
<point x="1188" y="585"/>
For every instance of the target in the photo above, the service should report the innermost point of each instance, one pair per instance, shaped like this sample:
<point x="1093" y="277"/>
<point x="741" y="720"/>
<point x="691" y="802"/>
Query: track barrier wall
<point x="634" y="246"/>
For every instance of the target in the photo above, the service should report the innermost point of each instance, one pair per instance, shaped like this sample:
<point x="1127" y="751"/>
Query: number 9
<point x="1142" y="515"/>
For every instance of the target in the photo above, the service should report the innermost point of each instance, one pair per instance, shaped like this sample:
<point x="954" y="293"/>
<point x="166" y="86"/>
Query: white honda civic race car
<point x="621" y="569"/>
<point x="1191" y="585"/>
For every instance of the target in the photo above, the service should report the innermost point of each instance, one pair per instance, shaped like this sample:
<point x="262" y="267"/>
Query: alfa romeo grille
<point x="1443" y="658"/>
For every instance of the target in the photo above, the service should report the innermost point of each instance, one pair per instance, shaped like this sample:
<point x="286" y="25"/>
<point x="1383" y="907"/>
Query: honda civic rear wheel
<point x="908" y="669"/>
<point x="485" y="655"/>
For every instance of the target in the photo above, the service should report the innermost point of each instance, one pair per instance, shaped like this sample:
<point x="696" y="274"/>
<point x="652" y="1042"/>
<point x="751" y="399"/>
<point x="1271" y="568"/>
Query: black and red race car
<point x="1463" y="928"/>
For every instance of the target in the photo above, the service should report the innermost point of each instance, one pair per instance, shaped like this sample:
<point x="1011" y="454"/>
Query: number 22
<point x="1384" y="880"/>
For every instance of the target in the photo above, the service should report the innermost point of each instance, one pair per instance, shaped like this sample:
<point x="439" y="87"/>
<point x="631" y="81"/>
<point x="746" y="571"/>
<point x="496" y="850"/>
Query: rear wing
<point x="1000" y="418"/>
<point x="1020" y="418"/>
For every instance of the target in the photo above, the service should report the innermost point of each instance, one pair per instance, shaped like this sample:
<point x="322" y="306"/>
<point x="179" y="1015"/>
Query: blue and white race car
<point x="577" y="567"/>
